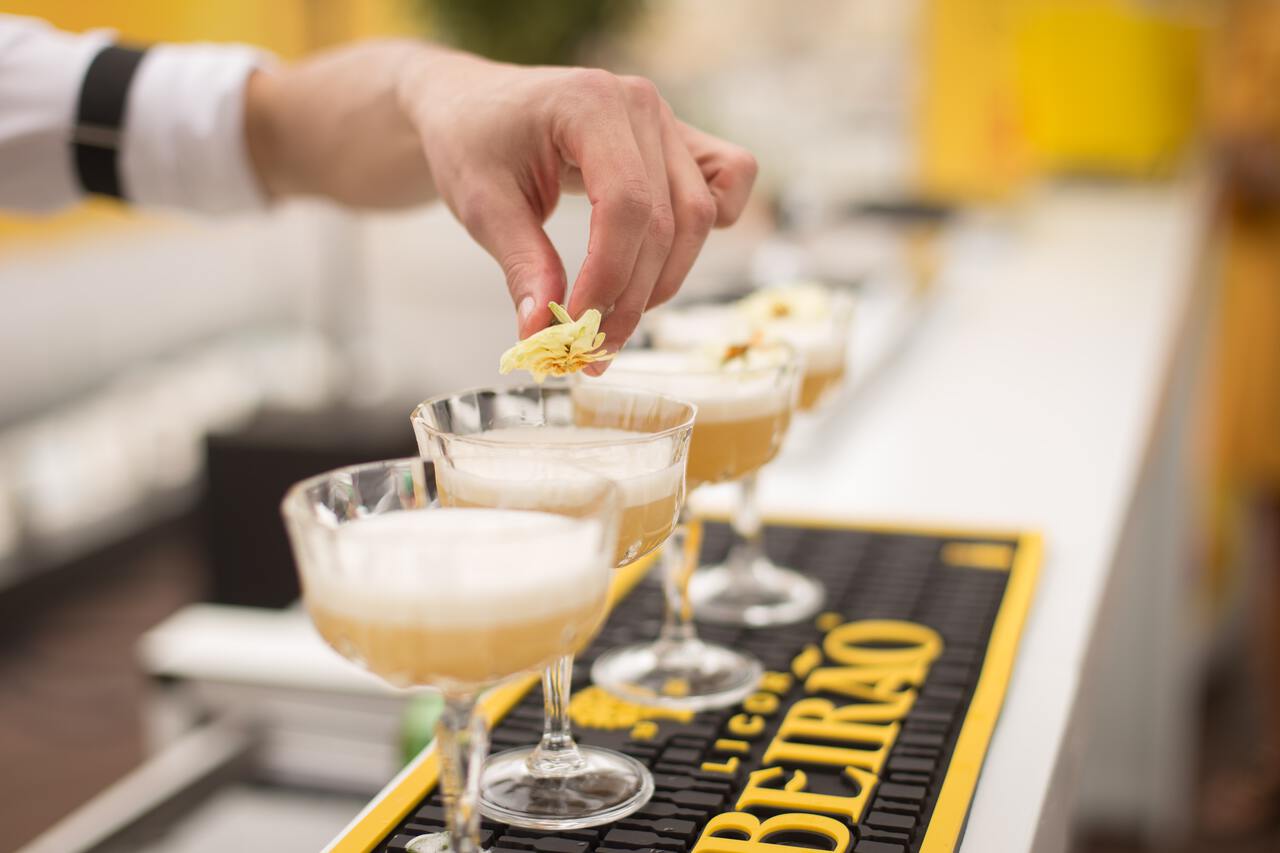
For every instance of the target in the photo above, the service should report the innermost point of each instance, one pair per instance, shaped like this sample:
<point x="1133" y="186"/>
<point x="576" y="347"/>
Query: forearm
<point x="392" y="123"/>
<point x="333" y="126"/>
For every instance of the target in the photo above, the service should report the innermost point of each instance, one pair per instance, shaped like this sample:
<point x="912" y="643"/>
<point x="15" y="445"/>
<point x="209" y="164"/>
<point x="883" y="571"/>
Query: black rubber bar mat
<point x="867" y="733"/>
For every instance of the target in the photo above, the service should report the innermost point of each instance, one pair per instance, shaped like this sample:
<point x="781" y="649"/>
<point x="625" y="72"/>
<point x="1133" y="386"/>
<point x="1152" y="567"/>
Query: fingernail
<point x="525" y="310"/>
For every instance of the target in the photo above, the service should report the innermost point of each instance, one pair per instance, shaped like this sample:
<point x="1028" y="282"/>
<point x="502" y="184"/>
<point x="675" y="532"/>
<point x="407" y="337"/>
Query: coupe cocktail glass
<point x="744" y="408"/>
<point x="638" y="438"/>
<point x="452" y="598"/>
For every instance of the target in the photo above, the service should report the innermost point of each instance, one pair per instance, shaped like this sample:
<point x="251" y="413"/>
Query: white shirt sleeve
<point x="40" y="74"/>
<point x="183" y="143"/>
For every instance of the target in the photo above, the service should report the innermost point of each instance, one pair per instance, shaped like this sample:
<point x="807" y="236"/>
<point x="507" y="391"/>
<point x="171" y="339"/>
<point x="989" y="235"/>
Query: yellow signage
<point x="879" y="664"/>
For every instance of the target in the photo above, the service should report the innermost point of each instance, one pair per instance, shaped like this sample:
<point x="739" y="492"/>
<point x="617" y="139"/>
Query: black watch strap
<point x="99" y="127"/>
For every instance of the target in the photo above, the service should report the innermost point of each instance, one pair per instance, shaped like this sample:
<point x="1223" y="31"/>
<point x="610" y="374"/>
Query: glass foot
<point x="607" y="787"/>
<point x="689" y="676"/>
<point x="760" y="596"/>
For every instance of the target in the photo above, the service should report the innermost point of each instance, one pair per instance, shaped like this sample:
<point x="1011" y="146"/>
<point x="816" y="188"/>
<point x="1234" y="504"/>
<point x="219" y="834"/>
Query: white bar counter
<point x="1037" y="393"/>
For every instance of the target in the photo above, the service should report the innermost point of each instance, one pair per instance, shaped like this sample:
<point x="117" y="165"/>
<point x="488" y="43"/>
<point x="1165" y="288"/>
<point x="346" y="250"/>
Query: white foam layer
<point x="817" y="325"/>
<point x="807" y="301"/>
<point x="729" y="394"/>
<point x="819" y="345"/>
<point x="691" y="328"/>
<point x="645" y="471"/>
<point x="821" y="340"/>
<point x="459" y="567"/>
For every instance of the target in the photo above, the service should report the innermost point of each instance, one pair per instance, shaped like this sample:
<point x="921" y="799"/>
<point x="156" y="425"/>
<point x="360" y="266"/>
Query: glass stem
<point x="679" y="559"/>
<point x="556" y="754"/>
<point x="463" y="742"/>
<point x="749" y="527"/>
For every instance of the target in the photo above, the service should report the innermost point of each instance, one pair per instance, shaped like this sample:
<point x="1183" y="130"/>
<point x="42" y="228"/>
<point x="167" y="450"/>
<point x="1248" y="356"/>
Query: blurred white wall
<point x="80" y="309"/>
<point x="825" y="92"/>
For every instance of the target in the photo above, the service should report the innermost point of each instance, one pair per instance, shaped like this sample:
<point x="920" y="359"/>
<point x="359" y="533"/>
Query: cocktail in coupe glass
<point x="749" y="588"/>
<point x="638" y="438"/>
<point x="744" y="407"/>
<point x="814" y="319"/>
<point x="817" y="321"/>
<point x="457" y="599"/>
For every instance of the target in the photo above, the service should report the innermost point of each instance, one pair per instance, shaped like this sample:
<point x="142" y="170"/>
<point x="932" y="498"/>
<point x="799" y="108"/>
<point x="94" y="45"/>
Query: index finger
<point x="603" y="148"/>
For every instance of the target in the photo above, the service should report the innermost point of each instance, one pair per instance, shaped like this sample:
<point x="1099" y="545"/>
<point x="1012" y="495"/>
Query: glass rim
<point x="843" y="295"/>
<point x="794" y="362"/>
<point x="685" y="425"/>
<point x="294" y="506"/>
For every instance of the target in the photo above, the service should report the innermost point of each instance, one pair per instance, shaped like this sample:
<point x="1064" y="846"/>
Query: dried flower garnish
<point x="803" y="301"/>
<point x="741" y="350"/>
<point x="565" y="347"/>
<point x="734" y="351"/>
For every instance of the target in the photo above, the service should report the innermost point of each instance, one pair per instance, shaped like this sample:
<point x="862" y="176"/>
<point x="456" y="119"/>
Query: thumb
<point x="509" y="230"/>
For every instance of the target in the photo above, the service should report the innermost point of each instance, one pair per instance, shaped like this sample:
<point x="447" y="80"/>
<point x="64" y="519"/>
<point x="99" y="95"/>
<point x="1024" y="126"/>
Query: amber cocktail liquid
<point x="650" y="482"/>
<point x="817" y="384"/>
<point x="477" y="627"/>
<point x="741" y="419"/>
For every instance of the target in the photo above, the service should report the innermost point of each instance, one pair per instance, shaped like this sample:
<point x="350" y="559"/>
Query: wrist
<point x="334" y="125"/>
<point x="262" y="134"/>
<point x="430" y="80"/>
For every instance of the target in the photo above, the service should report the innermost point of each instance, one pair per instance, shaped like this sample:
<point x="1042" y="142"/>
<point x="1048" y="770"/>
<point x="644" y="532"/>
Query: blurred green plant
<point x="418" y="726"/>
<point x="530" y="32"/>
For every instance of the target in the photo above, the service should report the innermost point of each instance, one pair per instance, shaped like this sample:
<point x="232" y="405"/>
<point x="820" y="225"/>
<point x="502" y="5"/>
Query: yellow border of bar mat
<point x="1018" y="553"/>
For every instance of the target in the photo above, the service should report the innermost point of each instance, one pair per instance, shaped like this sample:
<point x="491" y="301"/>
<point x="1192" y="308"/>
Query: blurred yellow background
<point x="287" y="27"/>
<point x="1020" y="88"/>
<point x="1012" y="89"/>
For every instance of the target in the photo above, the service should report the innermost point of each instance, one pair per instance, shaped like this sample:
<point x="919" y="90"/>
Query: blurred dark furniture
<point x="250" y="468"/>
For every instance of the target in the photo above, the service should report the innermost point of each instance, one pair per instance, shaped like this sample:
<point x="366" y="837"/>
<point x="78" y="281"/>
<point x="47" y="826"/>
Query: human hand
<point x="499" y="143"/>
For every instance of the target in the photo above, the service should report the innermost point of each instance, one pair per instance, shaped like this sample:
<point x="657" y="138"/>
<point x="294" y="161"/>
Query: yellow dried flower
<point x="742" y="350"/>
<point x="562" y="348"/>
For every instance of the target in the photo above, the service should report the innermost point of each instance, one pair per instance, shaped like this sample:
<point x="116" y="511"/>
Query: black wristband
<point x="99" y="127"/>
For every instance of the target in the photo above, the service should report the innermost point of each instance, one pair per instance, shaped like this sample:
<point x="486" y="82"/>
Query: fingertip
<point x="612" y="345"/>
<point x="727" y="216"/>
<point x="619" y="328"/>
<point x="662" y="294"/>
<point x="745" y="164"/>
<point x="532" y="299"/>
<point x="524" y="312"/>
